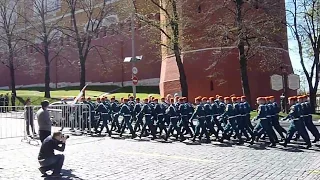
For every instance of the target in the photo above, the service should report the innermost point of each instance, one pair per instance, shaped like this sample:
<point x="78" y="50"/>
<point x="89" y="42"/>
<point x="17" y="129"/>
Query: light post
<point x="284" y="82"/>
<point x="133" y="58"/>
<point x="79" y="64"/>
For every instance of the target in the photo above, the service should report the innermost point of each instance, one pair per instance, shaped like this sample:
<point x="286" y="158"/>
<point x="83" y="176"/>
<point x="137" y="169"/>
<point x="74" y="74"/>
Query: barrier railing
<point x="70" y="118"/>
<point x="12" y="123"/>
<point x="21" y="121"/>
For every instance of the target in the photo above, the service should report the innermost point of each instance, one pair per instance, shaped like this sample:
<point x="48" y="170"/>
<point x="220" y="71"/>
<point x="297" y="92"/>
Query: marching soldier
<point x="308" y="119"/>
<point x="200" y="114"/>
<point x="296" y="123"/>
<point x="126" y="113"/>
<point x="159" y="116"/>
<point x="146" y="111"/>
<point x="275" y="118"/>
<point x="138" y="116"/>
<point x="230" y="114"/>
<point x="174" y="118"/>
<point x="104" y="115"/>
<point x="208" y="111"/>
<point x="183" y="109"/>
<point x="115" y="116"/>
<point x="247" y="110"/>
<point x="215" y="114"/>
<point x="263" y="124"/>
<point x="241" y="121"/>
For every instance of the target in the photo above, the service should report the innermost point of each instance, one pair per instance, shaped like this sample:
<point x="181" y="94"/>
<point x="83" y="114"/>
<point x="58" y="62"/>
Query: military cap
<point x="125" y="99"/>
<point x="204" y="99"/>
<point x="232" y="95"/>
<point x="243" y="97"/>
<point x="200" y="97"/>
<point x="211" y="98"/>
<point x="267" y="98"/>
<point x="217" y="96"/>
<point x="238" y="98"/>
<point x="261" y="99"/>
<point x="197" y="99"/>
<point x="292" y="98"/>
<point x="227" y="98"/>
<point x="299" y="97"/>
<point x="233" y="98"/>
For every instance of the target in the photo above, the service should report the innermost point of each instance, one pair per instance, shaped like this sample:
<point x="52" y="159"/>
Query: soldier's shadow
<point x="259" y="146"/>
<point x="67" y="174"/>
<point x="292" y="148"/>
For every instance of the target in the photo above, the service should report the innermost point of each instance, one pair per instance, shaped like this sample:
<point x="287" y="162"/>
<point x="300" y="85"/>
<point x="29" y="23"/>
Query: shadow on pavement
<point x="259" y="146"/>
<point x="293" y="148"/>
<point x="67" y="174"/>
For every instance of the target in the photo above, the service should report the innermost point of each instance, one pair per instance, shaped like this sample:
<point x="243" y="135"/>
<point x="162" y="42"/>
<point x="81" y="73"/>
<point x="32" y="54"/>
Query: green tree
<point x="303" y="21"/>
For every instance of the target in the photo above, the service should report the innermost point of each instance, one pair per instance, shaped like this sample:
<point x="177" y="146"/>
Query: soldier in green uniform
<point x="297" y="123"/>
<point x="200" y="115"/>
<point x="230" y="114"/>
<point x="263" y="124"/>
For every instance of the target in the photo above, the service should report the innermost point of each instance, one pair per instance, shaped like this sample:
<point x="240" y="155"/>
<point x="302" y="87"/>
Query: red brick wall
<point x="104" y="68"/>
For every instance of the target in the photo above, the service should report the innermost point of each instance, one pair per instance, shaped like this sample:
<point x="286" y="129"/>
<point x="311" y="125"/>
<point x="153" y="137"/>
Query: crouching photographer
<point x="47" y="159"/>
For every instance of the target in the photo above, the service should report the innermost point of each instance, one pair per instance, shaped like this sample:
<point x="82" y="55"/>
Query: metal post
<point x="285" y="92"/>
<point x="133" y="48"/>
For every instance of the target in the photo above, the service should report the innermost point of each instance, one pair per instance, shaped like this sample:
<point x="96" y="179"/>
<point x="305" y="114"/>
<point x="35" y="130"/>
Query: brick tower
<point x="208" y="73"/>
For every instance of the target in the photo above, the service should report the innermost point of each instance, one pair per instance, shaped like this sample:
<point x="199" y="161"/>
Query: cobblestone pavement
<point x="103" y="158"/>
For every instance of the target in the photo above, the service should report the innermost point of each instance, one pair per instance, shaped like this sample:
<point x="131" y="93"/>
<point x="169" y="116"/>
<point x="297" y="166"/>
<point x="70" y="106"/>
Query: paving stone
<point x="106" y="158"/>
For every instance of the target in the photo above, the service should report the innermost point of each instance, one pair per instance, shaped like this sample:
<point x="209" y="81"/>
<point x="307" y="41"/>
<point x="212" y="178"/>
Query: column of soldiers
<point x="220" y="117"/>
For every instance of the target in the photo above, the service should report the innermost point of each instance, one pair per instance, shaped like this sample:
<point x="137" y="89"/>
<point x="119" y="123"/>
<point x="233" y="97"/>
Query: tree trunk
<point x="47" y="81"/>
<point x="82" y="73"/>
<point x="244" y="72"/>
<point x="313" y="102"/>
<point x="182" y="73"/>
<point x="13" y="79"/>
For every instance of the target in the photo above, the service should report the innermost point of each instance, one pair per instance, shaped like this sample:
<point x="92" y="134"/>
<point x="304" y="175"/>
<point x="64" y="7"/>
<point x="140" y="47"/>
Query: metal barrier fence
<point x="21" y="121"/>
